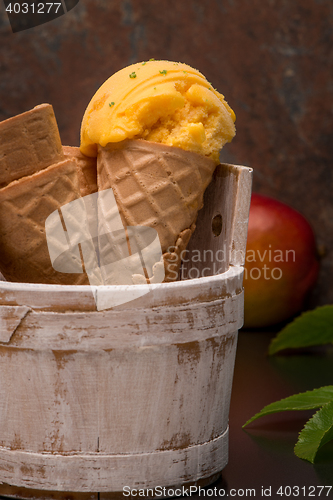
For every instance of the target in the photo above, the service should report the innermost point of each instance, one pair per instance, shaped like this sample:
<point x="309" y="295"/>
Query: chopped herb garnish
<point x="111" y="104"/>
<point x="163" y="72"/>
<point x="132" y="75"/>
<point x="184" y="71"/>
<point x="145" y="62"/>
<point x="154" y="88"/>
<point x="152" y="59"/>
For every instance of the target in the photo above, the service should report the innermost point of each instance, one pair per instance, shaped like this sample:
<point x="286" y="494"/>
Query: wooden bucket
<point x="137" y="396"/>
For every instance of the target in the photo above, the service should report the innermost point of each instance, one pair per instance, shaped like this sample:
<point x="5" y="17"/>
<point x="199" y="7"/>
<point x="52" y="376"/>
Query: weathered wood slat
<point x="113" y="330"/>
<point x="221" y="228"/>
<point x="77" y="472"/>
<point x="64" y="298"/>
<point x="242" y="188"/>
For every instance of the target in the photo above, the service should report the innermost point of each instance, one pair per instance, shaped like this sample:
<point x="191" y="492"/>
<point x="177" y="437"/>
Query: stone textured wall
<point x="273" y="60"/>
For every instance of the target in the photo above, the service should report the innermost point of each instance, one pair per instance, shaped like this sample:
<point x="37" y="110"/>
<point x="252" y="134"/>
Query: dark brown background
<point x="272" y="59"/>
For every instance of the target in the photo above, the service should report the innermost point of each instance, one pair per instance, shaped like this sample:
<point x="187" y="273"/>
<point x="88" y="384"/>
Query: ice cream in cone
<point x="157" y="186"/>
<point x="156" y="129"/>
<point x="152" y="135"/>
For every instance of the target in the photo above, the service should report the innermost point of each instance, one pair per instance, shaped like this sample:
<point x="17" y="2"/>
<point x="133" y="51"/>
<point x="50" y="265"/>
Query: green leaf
<point x="304" y="401"/>
<point x="317" y="432"/>
<point x="311" y="328"/>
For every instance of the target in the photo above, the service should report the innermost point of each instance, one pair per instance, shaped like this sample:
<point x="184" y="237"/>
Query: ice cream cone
<point x="157" y="186"/>
<point x="29" y="142"/>
<point x="25" y="205"/>
<point x="87" y="169"/>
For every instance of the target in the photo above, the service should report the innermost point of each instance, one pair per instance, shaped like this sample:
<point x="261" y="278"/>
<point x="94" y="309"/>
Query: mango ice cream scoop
<point x="157" y="128"/>
<point x="159" y="101"/>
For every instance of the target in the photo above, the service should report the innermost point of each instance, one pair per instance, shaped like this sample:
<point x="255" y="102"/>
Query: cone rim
<point x="114" y="146"/>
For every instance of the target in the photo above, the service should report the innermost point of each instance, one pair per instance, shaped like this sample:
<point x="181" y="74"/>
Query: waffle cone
<point x="87" y="169"/>
<point x="157" y="186"/>
<point x="25" y="204"/>
<point x="29" y="142"/>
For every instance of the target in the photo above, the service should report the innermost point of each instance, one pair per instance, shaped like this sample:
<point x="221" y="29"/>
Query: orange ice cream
<point x="159" y="101"/>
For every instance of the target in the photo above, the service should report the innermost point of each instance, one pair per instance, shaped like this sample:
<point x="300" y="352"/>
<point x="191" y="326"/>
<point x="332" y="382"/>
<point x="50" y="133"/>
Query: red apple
<point x="281" y="262"/>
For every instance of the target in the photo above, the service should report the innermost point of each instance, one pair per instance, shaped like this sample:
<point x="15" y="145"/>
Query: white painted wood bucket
<point x="138" y="396"/>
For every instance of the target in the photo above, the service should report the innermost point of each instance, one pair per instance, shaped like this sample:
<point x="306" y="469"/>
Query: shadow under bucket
<point x="136" y="396"/>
